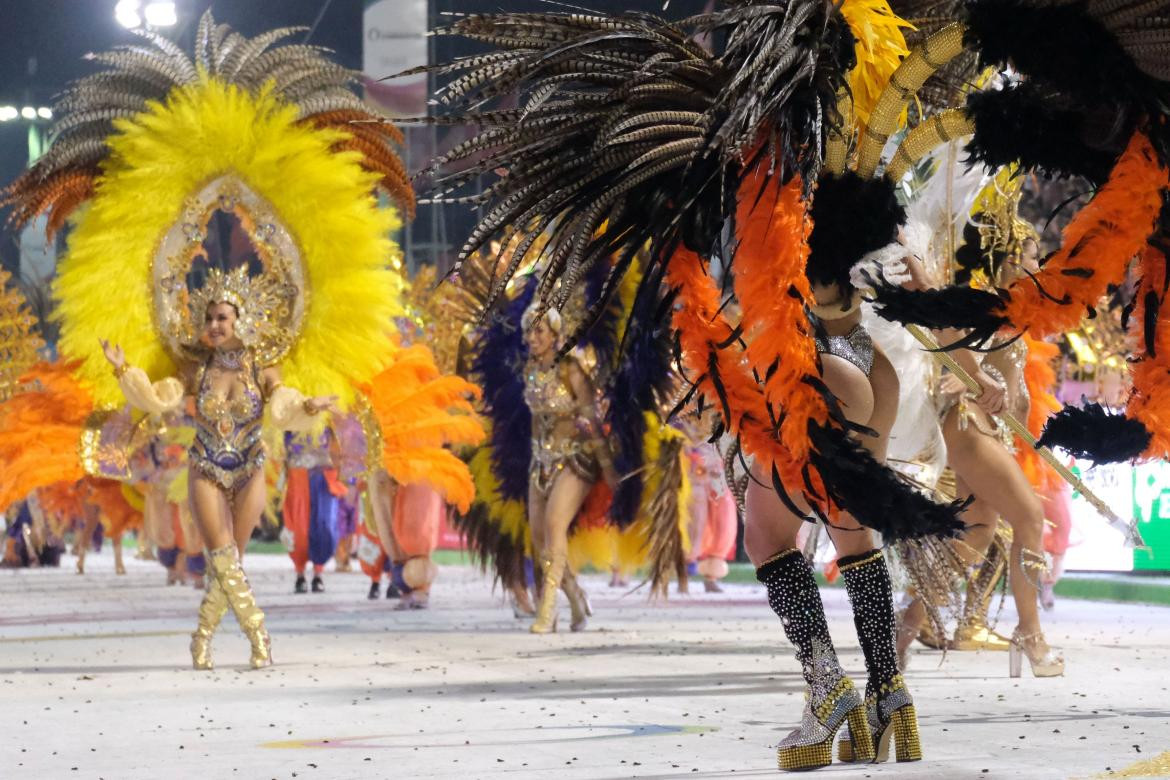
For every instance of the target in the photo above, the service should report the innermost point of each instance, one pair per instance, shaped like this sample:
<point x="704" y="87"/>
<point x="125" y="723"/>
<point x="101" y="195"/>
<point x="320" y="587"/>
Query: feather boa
<point x="1149" y="403"/>
<point x="1093" y="433"/>
<point x="789" y="424"/>
<point x="1040" y="379"/>
<point x="499" y="368"/>
<point x="642" y="380"/>
<point x="772" y="289"/>
<point x="1097" y="247"/>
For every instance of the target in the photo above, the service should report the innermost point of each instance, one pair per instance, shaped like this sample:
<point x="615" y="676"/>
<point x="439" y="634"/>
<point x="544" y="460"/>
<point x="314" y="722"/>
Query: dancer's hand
<point x="315" y="406"/>
<point x="993" y="396"/>
<point x="113" y="353"/>
<point x="951" y="385"/>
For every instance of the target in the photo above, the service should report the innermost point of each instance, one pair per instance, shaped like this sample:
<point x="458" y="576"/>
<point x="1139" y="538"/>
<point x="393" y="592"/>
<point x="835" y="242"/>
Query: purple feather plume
<point x="498" y="368"/>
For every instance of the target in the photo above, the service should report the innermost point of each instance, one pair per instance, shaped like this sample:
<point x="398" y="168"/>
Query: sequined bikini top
<point x="856" y="346"/>
<point x="226" y="417"/>
<point x="546" y="391"/>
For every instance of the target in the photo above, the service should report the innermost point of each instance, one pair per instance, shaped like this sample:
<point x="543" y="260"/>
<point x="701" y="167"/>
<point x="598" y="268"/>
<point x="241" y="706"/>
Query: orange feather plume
<point x="719" y="369"/>
<point x="1097" y="245"/>
<point x="1150" y="400"/>
<point x="1040" y="379"/>
<point x="40" y="430"/>
<point x="772" y="289"/>
<point x="420" y="413"/>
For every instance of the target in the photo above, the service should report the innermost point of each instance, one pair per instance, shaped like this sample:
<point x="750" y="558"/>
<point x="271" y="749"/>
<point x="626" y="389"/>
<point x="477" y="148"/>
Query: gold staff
<point x="1132" y="536"/>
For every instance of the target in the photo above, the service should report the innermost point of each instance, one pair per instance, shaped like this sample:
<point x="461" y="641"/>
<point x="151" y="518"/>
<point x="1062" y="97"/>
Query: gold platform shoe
<point x="977" y="635"/>
<point x="811" y="745"/>
<point x="891" y="719"/>
<point x="1045" y="661"/>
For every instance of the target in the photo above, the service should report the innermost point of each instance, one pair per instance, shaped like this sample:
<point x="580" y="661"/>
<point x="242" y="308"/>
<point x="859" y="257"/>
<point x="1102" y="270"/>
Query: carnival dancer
<point x="743" y="136"/>
<point x="544" y="477"/>
<point x="569" y="457"/>
<point x="980" y="450"/>
<point x="230" y="393"/>
<point x="168" y="149"/>
<point x="713" y="511"/>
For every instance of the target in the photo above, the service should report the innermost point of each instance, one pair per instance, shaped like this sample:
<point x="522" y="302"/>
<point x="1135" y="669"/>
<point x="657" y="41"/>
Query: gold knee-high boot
<point x="974" y="631"/>
<point x="579" y="608"/>
<point x="546" y="612"/>
<point x="225" y="565"/>
<point x="211" y="611"/>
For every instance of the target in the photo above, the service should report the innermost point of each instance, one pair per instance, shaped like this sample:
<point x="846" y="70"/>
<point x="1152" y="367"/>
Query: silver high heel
<point x="1049" y="664"/>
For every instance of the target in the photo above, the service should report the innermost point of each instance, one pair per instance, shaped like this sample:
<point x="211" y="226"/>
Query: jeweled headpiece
<point x="235" y="287"/>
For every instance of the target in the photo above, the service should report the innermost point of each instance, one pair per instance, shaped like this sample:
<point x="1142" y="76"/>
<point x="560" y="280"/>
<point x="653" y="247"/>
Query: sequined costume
<point x="856" y="347"/>
<point x="558" y="439"/>
<point x="228" y="448"/>
<point x="216" y="175"/>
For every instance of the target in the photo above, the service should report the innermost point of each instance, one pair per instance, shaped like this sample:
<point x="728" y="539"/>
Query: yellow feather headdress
<point x="270" y="134"/>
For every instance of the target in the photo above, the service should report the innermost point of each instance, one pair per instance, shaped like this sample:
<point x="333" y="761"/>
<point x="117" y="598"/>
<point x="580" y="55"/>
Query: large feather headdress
<point x="265" y="131"/>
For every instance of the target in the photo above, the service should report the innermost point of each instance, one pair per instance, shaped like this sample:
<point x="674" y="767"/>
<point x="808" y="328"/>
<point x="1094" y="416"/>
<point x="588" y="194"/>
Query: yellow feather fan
<point x="158" y="160"/>
<point x="880" y="47"/>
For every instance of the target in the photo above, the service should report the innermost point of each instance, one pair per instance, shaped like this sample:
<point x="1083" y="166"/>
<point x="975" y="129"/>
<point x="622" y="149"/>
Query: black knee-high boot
<point x="890" y="708"/>
<point x="832" y="699"/>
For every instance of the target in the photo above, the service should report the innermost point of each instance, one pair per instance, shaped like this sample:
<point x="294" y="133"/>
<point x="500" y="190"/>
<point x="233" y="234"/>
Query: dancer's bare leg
<point x="991" y="472"/>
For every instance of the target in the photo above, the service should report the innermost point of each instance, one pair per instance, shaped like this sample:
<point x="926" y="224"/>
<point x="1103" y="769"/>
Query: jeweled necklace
<point x="228" y="359"/>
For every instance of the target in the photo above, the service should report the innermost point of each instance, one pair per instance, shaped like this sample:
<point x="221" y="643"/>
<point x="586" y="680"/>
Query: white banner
<point x="395" y="39"/>
<point x="1131" y="491"/>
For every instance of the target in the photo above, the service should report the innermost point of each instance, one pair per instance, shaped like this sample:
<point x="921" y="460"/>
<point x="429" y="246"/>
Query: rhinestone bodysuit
<point x="856" y="346"/>
<point x="556" y="442"/>
<point x="228" y="449"/>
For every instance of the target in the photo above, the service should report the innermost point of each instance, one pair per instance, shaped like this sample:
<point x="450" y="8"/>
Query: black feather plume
<point x="873" y="494"/>
<point x="1094" y="433"/>
<point x="962" y="308"/>
<point x="851" y="216"/>
<point x="1043" y="132"/>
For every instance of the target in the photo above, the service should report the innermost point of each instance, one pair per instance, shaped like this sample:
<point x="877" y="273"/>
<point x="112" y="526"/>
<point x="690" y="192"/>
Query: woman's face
<point x="541" y="338"/>
<point x="219" y="329"/>
<point x="1030" y="256"/>
<point x="1027" y="262"/>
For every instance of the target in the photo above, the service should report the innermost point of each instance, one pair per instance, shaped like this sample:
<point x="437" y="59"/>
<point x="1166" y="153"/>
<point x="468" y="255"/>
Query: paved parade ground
<point x="95" y="682"/>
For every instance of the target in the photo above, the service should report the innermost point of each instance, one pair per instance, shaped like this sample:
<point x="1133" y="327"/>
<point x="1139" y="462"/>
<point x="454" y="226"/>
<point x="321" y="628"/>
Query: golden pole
<point x="1132" y="536"/>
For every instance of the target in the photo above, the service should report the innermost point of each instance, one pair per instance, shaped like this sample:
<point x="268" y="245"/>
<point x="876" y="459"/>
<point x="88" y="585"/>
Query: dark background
<point x="43" y="43"/>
